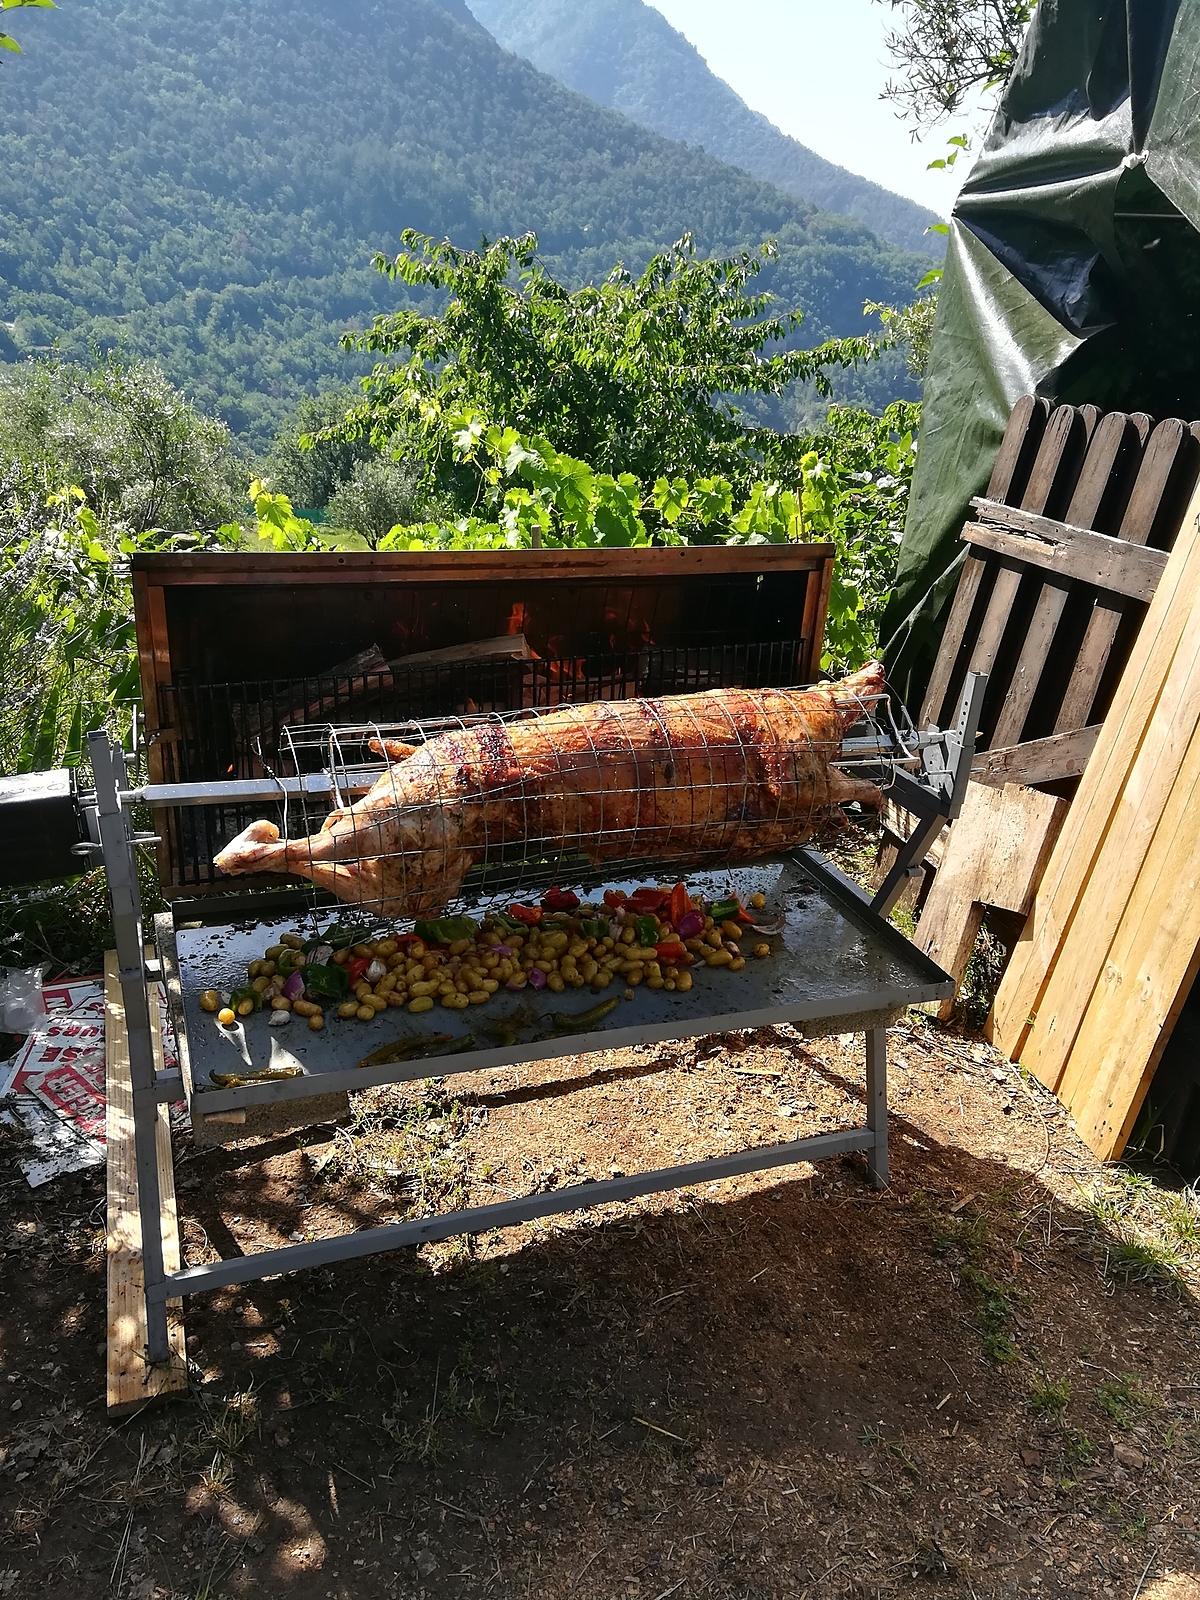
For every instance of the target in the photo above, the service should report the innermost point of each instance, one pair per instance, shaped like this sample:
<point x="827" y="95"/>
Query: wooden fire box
<point x="235" y="648"/>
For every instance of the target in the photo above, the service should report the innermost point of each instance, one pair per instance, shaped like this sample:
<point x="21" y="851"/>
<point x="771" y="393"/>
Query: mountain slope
<point x="626" y="55"/>
<point x="214" y="197"/>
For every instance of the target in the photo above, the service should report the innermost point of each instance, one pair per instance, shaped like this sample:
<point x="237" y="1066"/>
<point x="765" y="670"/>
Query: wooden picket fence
<point x="1044" y="606"/>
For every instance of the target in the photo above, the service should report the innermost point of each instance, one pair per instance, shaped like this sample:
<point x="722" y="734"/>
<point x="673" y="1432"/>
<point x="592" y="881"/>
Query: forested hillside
<point x="626" y="55"/>
<point x="204" y="182"/>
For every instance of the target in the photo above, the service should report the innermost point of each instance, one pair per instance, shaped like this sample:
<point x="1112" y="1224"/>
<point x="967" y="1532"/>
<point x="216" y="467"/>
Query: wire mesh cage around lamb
<point x="471" y="808"/>
<point x="245" y="729"/>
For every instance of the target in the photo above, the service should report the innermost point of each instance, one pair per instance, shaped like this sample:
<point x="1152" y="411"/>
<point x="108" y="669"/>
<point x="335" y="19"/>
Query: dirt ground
<point x="981" y="1382"/>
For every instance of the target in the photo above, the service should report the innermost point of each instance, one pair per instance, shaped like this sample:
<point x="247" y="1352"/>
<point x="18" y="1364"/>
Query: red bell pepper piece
<point x="614" y="899"/>
<point x="679" y="905"/>
<point x="646" y="900"/>
<point x="671" y="951"/>
<point x="743" y="916"/>
<point x="356" y="968"/>
<point x="529" y="915"/>
<point x="560" y="900"/>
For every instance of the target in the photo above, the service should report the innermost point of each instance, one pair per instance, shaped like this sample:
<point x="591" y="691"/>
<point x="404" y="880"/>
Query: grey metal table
<point x="837" y="966"/>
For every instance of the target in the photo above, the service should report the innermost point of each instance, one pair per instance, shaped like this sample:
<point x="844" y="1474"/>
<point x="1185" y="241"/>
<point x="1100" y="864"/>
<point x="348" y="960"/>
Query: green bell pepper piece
<point x="325" y="983"/>
<point x="446" y="930"/>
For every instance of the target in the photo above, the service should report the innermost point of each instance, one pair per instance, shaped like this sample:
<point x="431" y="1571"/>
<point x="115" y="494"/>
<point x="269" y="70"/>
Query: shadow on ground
<point x="783" y="1387"/>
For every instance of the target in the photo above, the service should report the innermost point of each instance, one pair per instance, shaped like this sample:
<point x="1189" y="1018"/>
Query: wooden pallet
<point x="994" y="855"/>
<point x="1113" y="943"/>
<point x="1063" y="554"/>
<point x="131" y="1383"/>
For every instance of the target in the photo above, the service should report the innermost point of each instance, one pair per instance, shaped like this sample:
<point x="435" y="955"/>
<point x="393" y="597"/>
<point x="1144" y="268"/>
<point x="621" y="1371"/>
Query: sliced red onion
<point x="502" y="949"/>
<point x="536" y="978"/>
<point x="294" y="987"/>
<point x="690" y="925"/>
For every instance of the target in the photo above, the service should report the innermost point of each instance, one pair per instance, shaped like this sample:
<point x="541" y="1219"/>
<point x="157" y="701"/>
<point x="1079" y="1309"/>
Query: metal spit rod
<point x="865" y="751"/>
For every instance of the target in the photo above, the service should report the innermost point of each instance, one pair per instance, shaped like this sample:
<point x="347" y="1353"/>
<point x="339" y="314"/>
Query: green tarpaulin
<point x="1072" y="271"/>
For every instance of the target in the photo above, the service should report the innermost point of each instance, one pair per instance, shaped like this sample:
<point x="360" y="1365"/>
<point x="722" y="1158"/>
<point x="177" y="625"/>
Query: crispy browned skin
<point x="723" y="776"/>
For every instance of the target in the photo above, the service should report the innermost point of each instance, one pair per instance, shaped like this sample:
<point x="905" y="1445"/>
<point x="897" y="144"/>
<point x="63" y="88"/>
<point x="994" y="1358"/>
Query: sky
<point x="816" y="69"/>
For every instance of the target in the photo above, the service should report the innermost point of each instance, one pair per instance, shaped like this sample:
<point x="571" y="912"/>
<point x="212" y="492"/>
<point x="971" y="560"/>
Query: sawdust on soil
<point x="779" y="1386"/>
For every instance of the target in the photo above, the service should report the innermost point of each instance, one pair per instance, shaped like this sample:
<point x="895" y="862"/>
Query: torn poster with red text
<point x="53" y="1088"/>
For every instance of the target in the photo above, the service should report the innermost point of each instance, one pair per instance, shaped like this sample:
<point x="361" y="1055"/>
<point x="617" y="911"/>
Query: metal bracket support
<point x="117" y="844"/>
<point x="947" y="768"/>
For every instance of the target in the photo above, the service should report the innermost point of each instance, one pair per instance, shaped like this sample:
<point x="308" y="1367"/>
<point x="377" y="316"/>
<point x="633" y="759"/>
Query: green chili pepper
<point x="325" y="983"/>
<point x="502" y="1033"/>
<point x="446" y="930"/>
<point x="723" y="910"/>
<point x="235" y="1080"/>
<point x="594" y="927"/>
<point x="416" y="1047"/>
<point x="245" y="993"/>
<point x="576" y="1021"/>
<point x="646" y="931"/>
<point x="341" y="935"/>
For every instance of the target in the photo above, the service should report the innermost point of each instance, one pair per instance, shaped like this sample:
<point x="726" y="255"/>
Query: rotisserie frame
<point x="843" y="968"/>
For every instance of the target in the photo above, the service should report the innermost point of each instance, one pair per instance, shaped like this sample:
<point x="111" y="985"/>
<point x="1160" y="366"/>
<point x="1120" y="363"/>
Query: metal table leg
<point x="877" y="1109"/>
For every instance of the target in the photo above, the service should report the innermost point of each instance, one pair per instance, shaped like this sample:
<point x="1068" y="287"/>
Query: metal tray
<point x="836" y="966"/>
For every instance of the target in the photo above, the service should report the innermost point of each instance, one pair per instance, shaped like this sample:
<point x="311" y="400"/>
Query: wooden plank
<point x="154" y="668"/>
<point x="814" y="617"/>
<point x="1146" y="974"/>
<point x="1018" y="520"/>
<point x="1062" y="445"/>
<point x="1076" y="555"/>
<point x="1168" y="452"/>
<point x="154" y="658"/>
<point x="131" y="1383"/>
<point x="986" y="645"/>
<point x="933" y="707"/>
<point x="1059" y="458"/>
<point x="1153" y="960"/>
<point x="1172" y="626"/>
<point x="1010" y="471"/>
<point x="1110" y="444"/>
<point x="901" y="824"/>
<point x="431" y="566"/>
<point x="1018" y="448"/>
<point x="1132" y="822"/>
<point x="995" y="855"/>
<point x="1049" y="760"/>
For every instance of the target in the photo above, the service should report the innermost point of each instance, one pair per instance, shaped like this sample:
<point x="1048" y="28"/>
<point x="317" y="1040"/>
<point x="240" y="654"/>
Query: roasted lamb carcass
<point x="703" y="779"/>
